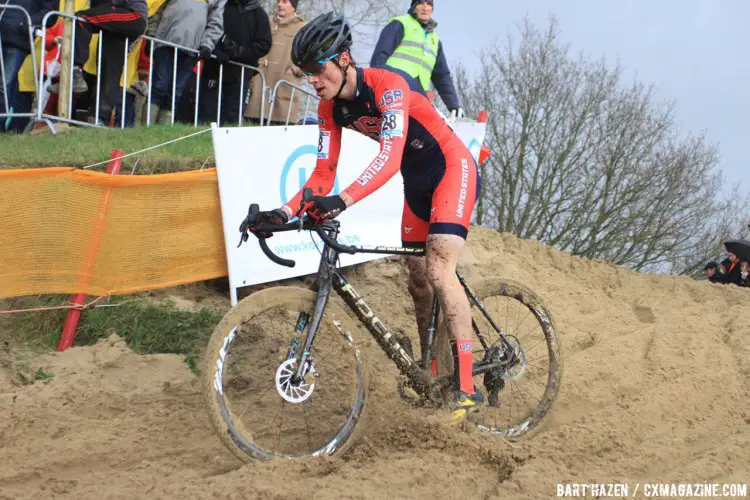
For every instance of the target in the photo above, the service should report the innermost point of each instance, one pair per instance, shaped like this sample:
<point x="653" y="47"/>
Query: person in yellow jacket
<point x="409" y="46"/>
<point x="118" y="22"/>
<point x="128" y="79"/>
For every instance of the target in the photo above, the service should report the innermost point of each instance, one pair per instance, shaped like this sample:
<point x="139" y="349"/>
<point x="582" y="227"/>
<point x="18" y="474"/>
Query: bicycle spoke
<point x="507" y="319"/>
<point x="251" y="389"/>
<point x="534" y="376"/>
<point x="522" y="322"/>
<point x="531" y="360"/>
<point x="543" y="341"/>
<point x="520" y="391"/>
<point x="307" y="424"/>
<point x="522" y="335"/>
<point x="281" y="424"/>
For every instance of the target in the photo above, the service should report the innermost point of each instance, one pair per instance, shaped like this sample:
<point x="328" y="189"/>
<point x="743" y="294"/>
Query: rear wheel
<point x="519" y="395"/>
<point x="258" y="409"/>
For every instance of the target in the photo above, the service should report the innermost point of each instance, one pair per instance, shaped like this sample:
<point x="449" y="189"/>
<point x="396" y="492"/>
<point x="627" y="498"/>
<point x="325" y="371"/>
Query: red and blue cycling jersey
<point x="441" y="181"/>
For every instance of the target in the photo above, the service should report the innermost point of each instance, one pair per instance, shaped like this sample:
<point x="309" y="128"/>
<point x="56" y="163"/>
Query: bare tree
<point x="586" y="163"/>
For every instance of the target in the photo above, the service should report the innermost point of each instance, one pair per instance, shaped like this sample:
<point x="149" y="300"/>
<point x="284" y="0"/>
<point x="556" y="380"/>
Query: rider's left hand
<point x="321" y="208"/>
<point x="277" y="216"/>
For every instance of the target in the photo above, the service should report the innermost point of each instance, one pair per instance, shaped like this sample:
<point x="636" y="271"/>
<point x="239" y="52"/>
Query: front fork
<point x="324" y="291"/>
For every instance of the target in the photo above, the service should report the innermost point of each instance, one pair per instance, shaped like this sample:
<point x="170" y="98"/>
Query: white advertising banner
<point x="269" y="165"/>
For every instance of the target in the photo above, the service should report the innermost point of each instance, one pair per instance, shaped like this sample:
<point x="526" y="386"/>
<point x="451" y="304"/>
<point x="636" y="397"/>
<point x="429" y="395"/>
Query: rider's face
<point x="326" y="78"/>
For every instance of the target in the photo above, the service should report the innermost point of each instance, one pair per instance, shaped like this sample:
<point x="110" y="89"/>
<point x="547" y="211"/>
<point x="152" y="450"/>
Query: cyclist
<point x="441" y="179"/>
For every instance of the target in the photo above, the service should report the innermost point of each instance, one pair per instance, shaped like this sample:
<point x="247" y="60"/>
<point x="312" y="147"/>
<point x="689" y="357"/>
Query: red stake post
<point x="74" y="315"/>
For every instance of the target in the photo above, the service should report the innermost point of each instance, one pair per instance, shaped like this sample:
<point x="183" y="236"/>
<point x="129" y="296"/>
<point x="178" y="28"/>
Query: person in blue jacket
<point x="409" y="46"/>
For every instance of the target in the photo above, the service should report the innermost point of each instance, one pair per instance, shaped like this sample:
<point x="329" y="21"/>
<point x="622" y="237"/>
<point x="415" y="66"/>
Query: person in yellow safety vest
<point x="409" y="45"/>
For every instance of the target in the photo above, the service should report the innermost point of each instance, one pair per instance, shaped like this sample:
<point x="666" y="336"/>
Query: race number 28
<point x="393" y="123"/>
<point x="324" y="144"/>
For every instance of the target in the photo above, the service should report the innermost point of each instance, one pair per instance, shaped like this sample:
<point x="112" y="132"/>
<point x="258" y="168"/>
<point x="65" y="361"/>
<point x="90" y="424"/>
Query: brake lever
<point x="252" y="214"/>
<point x="243" y="238"/>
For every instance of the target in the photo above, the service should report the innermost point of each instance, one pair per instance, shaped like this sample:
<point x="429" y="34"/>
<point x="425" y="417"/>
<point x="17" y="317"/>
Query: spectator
<point x="14" y="33"/>
<point x="247" y="38"/>
<point x="196" y="24"/>
<point x="277" y="65"/>
<point x="140" y="88"/>
<point x="131" y="78"/>
<point x="713" y="272"/>
<point x="116" y="20"/>
<point x="737" y="251"/>
<point x="724" y="265"/>
<point x="409" y="45"/>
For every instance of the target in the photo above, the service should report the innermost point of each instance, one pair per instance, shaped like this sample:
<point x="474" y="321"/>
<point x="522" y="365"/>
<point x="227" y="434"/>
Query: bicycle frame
<point x="420" y="377"/>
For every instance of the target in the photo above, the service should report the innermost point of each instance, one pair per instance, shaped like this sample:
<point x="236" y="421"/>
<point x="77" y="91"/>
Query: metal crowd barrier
<point x="39" y="116"/>
<point x="244" y="67"/>
<point x="3" y="79"/>
<point x="295" y="88"/>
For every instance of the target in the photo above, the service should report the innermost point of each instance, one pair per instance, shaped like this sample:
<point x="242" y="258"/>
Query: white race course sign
<point x="269" y="165"/>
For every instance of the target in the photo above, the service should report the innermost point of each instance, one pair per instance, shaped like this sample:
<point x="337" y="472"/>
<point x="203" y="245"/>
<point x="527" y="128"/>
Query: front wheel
<point x="261" y="411"/>
<point x="518" y="396"/>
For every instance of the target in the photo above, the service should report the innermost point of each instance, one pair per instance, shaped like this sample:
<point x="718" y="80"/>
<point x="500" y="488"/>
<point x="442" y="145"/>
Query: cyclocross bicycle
<point x="283" y="377"/>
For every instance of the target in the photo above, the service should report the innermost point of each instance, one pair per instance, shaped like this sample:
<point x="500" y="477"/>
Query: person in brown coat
<point x="277" y="65"/>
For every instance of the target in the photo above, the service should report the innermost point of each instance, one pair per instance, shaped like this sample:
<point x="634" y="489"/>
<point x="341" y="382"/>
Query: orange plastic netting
<point x="67" y="230"/>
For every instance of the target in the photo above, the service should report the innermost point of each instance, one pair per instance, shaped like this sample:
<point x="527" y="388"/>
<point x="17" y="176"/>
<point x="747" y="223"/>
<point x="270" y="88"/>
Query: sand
<point x="656" y="388"/>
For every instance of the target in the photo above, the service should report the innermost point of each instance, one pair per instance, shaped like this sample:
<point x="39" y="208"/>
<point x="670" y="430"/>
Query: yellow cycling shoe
<point x="464" y="405"/>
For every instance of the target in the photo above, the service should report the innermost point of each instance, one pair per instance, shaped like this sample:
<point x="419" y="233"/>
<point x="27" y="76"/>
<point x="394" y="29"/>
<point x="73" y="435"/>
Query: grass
<point x="147" y="327"/>
<point x="26" y="375"/>
<point x="79" y="147"/>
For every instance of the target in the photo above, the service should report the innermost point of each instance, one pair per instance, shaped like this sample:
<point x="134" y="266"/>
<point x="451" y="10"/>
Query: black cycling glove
<point x="321" y="208"/>
<point x="276" y="216"/>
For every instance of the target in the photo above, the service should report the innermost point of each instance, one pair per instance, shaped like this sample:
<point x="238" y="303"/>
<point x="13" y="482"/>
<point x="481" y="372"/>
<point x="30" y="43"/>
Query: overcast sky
<point x="693" y="52"/>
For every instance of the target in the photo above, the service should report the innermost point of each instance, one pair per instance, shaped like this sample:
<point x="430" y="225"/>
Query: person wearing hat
<point x="738" y="253"/>
<point x="409" y="45"/>
<point x="277" y="65"/>
<point x="713" y="272"/>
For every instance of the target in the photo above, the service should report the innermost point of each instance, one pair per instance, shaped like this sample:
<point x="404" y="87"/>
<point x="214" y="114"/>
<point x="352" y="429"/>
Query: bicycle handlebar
<point x="275" y="258"/>
<point x="301" y="224"/>
<point x="333" y="243"/>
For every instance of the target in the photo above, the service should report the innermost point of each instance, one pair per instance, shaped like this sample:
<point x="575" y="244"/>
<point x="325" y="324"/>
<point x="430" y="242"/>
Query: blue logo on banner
<point x="475" y="148"/>
<point x="302" y="174"/>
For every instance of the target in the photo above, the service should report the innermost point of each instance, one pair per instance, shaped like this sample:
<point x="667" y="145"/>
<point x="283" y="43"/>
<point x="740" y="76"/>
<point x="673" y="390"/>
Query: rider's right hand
<point x="276" y="216"/>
